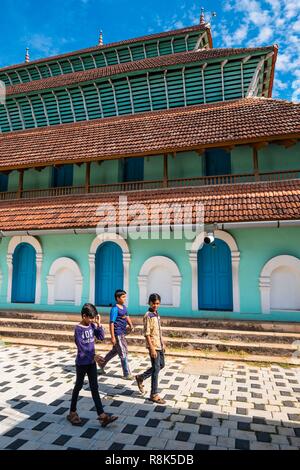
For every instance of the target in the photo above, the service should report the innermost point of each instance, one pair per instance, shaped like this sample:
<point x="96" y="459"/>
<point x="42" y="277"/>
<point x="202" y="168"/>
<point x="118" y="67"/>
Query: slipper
<point x="140" y="384"/>
<point x="158" y="400"/>
<point x="74" y="419"/>
<point x="107" y="420"/>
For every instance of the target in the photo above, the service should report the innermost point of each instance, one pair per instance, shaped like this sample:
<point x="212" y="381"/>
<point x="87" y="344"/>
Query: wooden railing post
<point x="21" y="183"/>
<point x="88" y="177"/>
<point x="255" y="164"/>
<point x="166" y="176"/>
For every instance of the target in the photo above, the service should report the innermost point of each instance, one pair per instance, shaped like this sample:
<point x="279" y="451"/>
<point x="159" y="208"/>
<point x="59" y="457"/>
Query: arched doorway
<point x="109" y="273"/>
<point x="285" y="289"/>
<point x="215" y="290"/>
<point x="24" y="274"/>
<point x="280" y="284"/>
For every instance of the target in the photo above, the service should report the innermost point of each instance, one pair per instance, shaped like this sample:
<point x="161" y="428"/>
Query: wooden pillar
<point x="255" y="163"/>
<point x="21" y="183"/>
<point x="88" y="177"/>
<point x="166" y="176"/>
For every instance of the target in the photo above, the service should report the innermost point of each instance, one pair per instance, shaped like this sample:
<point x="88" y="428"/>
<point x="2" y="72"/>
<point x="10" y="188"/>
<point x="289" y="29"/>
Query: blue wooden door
<point x="133" y="169"/>
<point x="24" y="274"/>
<point x="215" y="277"/>
<point x="62" y="176"/>
<point x="3" y="182"/>
<point x="109" y="273"/>
<point x="218" y="162"/>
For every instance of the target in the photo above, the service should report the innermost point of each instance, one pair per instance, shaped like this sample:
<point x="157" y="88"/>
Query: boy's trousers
<point x="120" y="349"/>
<point x="157" y="364"/>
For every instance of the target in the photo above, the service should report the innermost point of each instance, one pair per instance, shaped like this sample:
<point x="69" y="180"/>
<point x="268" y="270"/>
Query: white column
<point x="92" y="258"/>
<point x="9" y="259"/>
<point x="39" y="260"/>
<point x="126" y="264"/>
<point x="265" y="289"/>
<point x="78" y="289"/>
<point x="142" y="282"/>
<point x="50" y="285"/>
<point x="194" y="264"/>
<point x="235" y="258"/>
<point x="176" y="285"/>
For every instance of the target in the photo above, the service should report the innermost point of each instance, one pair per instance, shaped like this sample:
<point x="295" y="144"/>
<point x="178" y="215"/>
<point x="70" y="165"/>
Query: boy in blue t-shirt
<point x="119" y="319"/>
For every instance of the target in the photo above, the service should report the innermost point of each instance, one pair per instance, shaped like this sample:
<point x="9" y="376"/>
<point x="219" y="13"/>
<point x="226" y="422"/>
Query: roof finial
<point x="27" y="58"/>
<point x="100" y="43"/>
<point x="202" y="19"/>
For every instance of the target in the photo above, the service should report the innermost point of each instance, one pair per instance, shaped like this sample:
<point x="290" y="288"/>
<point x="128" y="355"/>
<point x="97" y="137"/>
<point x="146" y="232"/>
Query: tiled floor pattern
<point x="243" y="407"/>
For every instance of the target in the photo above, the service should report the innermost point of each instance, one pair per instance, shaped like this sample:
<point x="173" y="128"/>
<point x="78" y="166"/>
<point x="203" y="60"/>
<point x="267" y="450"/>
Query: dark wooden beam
<point x="260" y="145"/>
<point x="200" y="152"/>
<point x="255" y="163"/>
<point x="229" y="148"/>
<point x="287" y="143"/>
<point x="40" y="168"/>
<point x="21" y="183"/>
<point x="88" y="177"/>
<point x="166" y="170"/>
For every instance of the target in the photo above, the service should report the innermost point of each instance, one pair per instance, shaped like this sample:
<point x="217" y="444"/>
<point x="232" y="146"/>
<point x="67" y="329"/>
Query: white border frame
<point x="235" y="260"/>
<point x="265" y="277"/>
<point x="98" y="241"/>
<point x="57" y="265"/>
<point x="167" y="263"/>
<point x="14" y="242"/>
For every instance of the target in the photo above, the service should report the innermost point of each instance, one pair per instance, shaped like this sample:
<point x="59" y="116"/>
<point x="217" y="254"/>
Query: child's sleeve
<point x="147" y="326"/>
<point x="113" y="315"/>
<point x="99" y="333"/>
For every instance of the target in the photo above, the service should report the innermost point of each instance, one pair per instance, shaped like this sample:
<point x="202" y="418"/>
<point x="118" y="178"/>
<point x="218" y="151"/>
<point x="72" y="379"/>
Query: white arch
<point x="14" y="242"/>
<point x="265" y="277"/>
<point x="235" y="260"/>
<point x="66" y="264"/>
<point x="99" y="240"/>
<point x="171" y="267"/>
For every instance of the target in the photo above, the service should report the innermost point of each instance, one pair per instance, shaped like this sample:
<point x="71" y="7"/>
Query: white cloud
<point x="265" y="34"/>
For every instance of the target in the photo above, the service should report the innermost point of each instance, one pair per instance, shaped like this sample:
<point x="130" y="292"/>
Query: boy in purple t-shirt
<point x="85" y="333"/>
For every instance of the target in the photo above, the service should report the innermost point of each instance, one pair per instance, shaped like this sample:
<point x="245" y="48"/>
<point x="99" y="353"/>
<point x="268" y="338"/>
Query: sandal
<point x="157" y="399"/>
<point x="74" y="419"/>
<point x="140" y="384"/>
<point x="107" y="420"/>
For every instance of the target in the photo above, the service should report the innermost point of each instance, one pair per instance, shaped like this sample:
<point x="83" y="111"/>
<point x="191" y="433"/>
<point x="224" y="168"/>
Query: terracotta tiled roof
<point x="177" y="32"/>
<point x="145" y="64"/>
<point x="232" y="203"/>
<point x="219" y="124"/>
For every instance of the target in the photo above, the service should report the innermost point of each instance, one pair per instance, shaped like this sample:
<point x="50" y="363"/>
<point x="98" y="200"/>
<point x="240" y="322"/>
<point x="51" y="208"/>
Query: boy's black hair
<point x="118" y="293"/>
<point x="154" y="298"/>
<point x="89" y="310"/>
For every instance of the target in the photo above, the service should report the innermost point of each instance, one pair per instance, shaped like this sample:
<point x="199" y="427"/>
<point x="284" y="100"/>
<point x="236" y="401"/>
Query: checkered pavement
<point x="242" y="407"/>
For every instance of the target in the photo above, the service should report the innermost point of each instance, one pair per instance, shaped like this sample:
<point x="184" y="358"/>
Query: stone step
<point x="182" y="333"/>
<point x="178" y="343"/>
<point x="182" y="322"/>
<point x="218" y="356"/>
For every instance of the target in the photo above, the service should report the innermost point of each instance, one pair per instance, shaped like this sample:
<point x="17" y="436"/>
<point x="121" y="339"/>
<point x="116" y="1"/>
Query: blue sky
<point x="56" y="26"/>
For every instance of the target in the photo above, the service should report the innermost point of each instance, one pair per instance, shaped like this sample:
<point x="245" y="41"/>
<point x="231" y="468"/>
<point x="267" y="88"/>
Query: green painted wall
<point x="154" y="167"/>
<point x="184" y="165"/>
<point x="275" y="157"/>
<point x="257" y="246"/>
<point x="271" y="158"/>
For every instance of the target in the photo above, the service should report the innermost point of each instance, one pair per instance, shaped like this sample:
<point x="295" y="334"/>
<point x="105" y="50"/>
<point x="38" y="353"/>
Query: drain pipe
<point x="216" y="226"/>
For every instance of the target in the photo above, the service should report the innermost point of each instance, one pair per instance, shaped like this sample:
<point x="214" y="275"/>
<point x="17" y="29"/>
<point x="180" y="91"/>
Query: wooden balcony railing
<point x="154" y="184"/>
